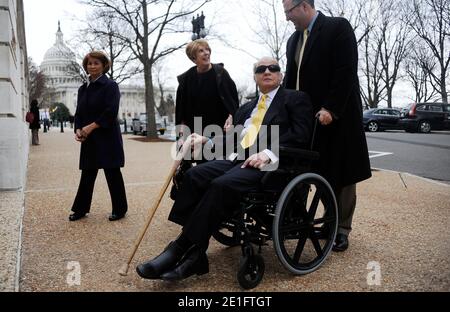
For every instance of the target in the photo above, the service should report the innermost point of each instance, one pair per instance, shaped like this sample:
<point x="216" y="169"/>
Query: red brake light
<point x="412" y="111"/>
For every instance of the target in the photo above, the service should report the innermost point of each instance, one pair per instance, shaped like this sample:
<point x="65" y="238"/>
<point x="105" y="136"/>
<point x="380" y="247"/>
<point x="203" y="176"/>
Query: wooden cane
<point x="186" y="148"/>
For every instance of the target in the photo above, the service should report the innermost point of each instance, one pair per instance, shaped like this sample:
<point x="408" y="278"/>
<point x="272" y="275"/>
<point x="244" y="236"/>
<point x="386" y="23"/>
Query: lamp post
<point x="198" y="27"/>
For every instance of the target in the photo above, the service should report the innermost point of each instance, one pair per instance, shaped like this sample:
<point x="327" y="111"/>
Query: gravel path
<point x="405" y="230"/>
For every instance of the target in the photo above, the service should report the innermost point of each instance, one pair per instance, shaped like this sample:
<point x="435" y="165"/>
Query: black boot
<point x="164" y="262"/>
<point x="194" y="262"/>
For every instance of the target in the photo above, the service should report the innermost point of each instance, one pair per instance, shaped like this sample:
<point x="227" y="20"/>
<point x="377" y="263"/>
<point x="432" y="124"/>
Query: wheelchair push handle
<point x="313" y="137"/>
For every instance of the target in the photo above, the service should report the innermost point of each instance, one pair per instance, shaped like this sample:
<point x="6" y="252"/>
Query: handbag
<point x="29" y="117"/>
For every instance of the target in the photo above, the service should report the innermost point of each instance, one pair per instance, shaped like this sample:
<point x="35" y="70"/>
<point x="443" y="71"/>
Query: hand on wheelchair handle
<point x="324" y="117"/>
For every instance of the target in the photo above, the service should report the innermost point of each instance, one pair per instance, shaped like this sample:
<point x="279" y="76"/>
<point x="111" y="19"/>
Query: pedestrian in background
<point x="322" y="60"/>
<point x="98" y="131"/>
<point x="35" y="124"/>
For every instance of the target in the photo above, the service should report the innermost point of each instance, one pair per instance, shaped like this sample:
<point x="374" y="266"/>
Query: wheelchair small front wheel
<point x="251" y="271"/>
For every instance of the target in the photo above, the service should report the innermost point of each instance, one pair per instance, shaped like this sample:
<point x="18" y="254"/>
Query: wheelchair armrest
<point x="293" y="161"/>
<point x="292" y="152"/>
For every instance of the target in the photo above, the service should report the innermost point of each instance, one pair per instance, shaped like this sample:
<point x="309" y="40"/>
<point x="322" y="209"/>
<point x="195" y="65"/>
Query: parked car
<point x="377" y="119"/>
<point x="140" y="125"/>
<point x="424" y="117"/>
<point x="136" y="126"/>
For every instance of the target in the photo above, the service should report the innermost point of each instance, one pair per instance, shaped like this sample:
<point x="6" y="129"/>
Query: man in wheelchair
<point x="211" y="191"/>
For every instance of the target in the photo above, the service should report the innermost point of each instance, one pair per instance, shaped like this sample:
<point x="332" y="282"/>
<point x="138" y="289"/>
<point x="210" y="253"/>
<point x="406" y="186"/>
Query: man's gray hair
<point x="310" y="2"/>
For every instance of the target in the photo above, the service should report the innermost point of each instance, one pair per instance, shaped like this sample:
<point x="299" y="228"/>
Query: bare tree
<point x="166" y="103"/>
<point x="145" y="24"/>
<point x="75" y="70"/>
<point x="244" y="92"/>
<point x="38" y="81"/>
<point x="417" y="66"/>
<point x="271" y="30"/>
<point x="392" y="33"/>
<point x="430" y="20"/>
<point x="101" y="33"/>
<point x="374" y="90"/>
<point x="358" y="12"/>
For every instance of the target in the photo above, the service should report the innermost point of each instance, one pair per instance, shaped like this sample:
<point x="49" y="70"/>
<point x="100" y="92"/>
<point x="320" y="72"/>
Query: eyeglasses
<point x="290" y="10"/>
<point x="273" y="68"/>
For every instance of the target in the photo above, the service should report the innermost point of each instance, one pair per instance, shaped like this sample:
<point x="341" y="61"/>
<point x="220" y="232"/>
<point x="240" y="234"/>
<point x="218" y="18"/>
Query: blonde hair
<point x="193" y="47"/>
<point x="99" y="55"/>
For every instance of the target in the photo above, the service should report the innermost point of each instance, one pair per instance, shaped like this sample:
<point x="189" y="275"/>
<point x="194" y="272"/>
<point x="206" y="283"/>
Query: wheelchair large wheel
<point x="305" y="223"/>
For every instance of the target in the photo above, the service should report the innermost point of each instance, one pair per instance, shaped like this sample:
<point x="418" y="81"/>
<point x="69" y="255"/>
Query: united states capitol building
<point x="63" y="80"/>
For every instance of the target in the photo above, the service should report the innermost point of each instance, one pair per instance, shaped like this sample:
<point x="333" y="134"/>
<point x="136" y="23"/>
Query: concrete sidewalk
<point x="402" y="224"/>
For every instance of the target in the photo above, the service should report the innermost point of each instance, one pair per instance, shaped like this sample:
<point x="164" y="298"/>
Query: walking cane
<point x="184" y="149"/>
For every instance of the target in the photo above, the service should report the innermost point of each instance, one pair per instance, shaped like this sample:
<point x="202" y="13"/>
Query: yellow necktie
<point x="257" y="119"/>
<point x="302" y="50"/>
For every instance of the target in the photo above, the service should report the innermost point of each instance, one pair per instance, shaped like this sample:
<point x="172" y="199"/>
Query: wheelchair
<point x="293" y="207"/>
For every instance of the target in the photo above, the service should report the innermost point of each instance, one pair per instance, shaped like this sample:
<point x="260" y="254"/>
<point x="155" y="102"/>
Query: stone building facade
<point x="14" y="102"/>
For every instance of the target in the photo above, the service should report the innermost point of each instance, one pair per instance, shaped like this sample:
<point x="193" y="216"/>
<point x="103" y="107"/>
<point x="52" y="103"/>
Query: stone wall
<point x="14" y="133"/>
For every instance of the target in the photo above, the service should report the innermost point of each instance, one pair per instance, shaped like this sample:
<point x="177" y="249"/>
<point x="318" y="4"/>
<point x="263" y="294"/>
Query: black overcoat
<point x="184" y="112"/>
<point x="329" y="75"/>
<point x="99" y="103"/>
<point x="36" y="124"/>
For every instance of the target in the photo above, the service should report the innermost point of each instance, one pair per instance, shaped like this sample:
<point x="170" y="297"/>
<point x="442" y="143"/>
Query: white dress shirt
<point x="248" y="122"/>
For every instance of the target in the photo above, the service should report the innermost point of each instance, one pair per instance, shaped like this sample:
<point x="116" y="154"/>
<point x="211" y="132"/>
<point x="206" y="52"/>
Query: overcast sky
<point x="42" y="16"/>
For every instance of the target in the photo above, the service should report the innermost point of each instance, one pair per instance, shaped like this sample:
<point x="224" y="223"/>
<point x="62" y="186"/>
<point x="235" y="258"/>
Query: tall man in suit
<point x="322" y="60"/>
<point x="212" y="190"/>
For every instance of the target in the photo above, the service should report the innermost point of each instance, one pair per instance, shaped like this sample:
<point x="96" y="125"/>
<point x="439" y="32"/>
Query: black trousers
<point x="82" y="203"/>
<point x="209" y="195"/>
<point x="346" y="200"/>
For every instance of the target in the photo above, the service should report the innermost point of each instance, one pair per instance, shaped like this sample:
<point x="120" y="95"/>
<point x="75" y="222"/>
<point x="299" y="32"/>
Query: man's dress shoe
<point x="340" y="243"/>
<point x="166" y="261"/>
<point x="76" y="216"/>
<point x="115" y="217"/>
<point x="194" y="262"/>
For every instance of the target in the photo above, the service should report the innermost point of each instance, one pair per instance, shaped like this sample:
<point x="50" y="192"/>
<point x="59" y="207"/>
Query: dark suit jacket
<point x="290" y="110"/>
<point x="100" y="103"/>
<point x="329" y="75"/>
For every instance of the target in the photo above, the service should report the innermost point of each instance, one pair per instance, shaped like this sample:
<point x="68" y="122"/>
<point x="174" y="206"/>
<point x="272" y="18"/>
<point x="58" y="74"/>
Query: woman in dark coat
<point x="35" y="125"/>
<point x="205" y="90"/>
<point x="97" y="128"/>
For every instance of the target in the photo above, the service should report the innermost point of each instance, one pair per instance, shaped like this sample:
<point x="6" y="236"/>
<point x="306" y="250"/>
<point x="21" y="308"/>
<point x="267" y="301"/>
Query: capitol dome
<point x="60" y="65"/>
<point x="62" y="72"/>
<point x="59" y="51"/>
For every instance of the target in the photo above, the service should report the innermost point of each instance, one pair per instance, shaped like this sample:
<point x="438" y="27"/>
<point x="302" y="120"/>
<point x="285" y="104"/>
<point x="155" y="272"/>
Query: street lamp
<point x="198" y="27"/>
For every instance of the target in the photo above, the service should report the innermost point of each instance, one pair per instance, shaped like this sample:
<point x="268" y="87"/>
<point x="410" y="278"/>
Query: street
<point x="425" y="155"/>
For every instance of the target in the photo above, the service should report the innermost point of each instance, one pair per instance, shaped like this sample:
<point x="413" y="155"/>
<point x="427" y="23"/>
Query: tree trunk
<point x="150" y="103"/>
<point x="389" y="97"/>
<point x="444" y="94"/>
